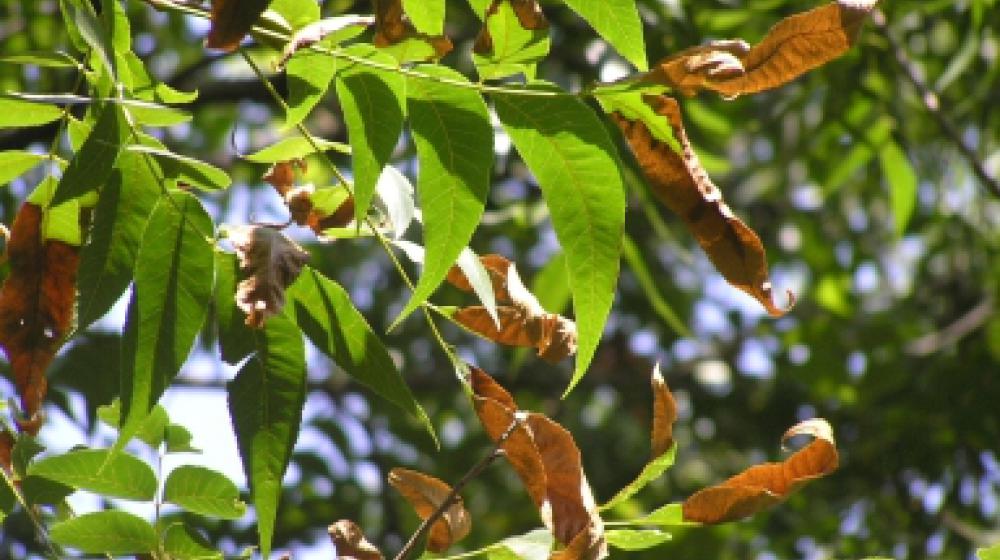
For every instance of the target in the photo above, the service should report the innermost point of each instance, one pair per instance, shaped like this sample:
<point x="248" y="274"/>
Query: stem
<point x="52" y="551"/>
<point x="337" y="52"/>
<point x="932" y="103"/>
<point x="478" y="468"/>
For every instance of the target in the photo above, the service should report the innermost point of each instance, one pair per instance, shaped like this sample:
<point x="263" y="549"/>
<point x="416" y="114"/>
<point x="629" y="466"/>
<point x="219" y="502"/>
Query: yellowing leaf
<point x="426" y="494"/>
<point x="36" y="307"/>
<point x="792" y="47"/>
<point x="681" y="183"/>
<point x="522" y="323"/>
<point x="664" y="414"/>
<point x="351" y="543"/>
<point x="762" y="486"/>
<point x="273" y="262"/>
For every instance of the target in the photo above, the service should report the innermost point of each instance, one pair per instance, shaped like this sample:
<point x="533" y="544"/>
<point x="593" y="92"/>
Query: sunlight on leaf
<point x="351" y="543"/>
<point x="426" y="494"/>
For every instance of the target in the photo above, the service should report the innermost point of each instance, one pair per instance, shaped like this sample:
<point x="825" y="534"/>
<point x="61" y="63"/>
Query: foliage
<point x="137" y="199"/>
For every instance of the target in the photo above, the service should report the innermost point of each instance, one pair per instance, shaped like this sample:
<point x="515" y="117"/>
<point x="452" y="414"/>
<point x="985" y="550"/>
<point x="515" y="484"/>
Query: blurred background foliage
<point x="895" y="338"/>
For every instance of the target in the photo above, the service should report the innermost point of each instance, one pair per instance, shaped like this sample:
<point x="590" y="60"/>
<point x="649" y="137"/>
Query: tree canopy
<point x="633" y="277"/>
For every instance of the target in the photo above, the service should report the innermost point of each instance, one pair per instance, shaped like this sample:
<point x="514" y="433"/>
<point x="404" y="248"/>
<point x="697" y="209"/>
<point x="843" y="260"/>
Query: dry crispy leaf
<point x="232" y="20"/>
<point x="426" y="494"/>
<point x="317" y="30"/>
<point x="351" y="543"/>
<point x="299" y="199"/>
<point x="681" y="183"/>
<point x="792" y="47"/>
<point x="762" y="486"/>
<point x="523" y="323"/>
<point x="36" y="307"/>
<point x="529" y="16"/>
<point x="273" y="261"/>
<point x="391" y="28"/>
<point x="664" y="414"/>
<point x="546" y="457"/>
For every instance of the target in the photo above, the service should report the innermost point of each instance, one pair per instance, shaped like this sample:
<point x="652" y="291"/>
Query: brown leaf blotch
<point x="351" y="543"/>
<point x="273" y="262"/>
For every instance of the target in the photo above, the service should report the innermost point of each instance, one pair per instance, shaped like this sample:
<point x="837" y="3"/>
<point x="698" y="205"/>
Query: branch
<point x="964" y="325"/>
<point x="932" y="103"/>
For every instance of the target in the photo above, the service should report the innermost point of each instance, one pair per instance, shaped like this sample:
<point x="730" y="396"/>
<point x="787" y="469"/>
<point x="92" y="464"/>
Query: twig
<point x="967" y="323"/>
<point x="453" y="495"/>
<point x="932" y="103"/>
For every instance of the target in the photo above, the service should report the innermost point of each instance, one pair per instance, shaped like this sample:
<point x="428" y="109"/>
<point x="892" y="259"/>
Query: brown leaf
<point x="232" y="20"/>
<point x="426" y="494"/>
<point x="681" y="183"/>
<point x="586" y="545"/>
<point x="391" y="28"/>
<point x="529" y="16"/>
<point x="523" y="323"/>
<point x="351" y="543"/>
<point x="36" y="307"/>
<point x="547" y="459"/>
<point x="6" y="450"/>
<point x="664" y="414"/>
<point x="281" y="175"/>
<point x="273" y="261"/>
<point x="795" y="45"/>
<point x="762" y="486"/>
<point x="299" y="199"/>
<point x="343" y="215"/>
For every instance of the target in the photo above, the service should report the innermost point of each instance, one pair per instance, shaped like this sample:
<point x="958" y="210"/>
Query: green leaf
<point x="152" y="430"/>
<point x="514" y="49"/>
<point x="265" y="403"/>
<point x="14" y="163"/>
<point x="116" y="475"/>
<point x="454" y="140"/>
<point x="169" y="301"/>
<point x="670" y="515"/>
<point x="295" y="147"/>
<point x="7" y="499"/>
<point x="181" y="542"/>
<point x="147" y="113"/>
<point x="618" y="22"/>
<point x="426" y="15"/>
<point x="111" y="532"/>
<point x="324" y="312"/>
<point x="61" y="221"/>
<point x="19" y="112"/>
<point x="309" y="74"/>
<point x="203" y="491"/>
<point x="298" y="13"/>
<point x="653" y="470"/>
<point x="56" y="59"/>
<point x="372" y="101"/>
<point x="107" y="261"/>
<point x="631" y="106"/>
<point x="902" y="181"/>
<point x="571" y="155"/>
<point x="636" y="539"/>
<point x="91" y="166"/>
<point x="187" y="169"/>
<point x="25" y="449"/>
<point x="235" y="338"/>
<point x="178" y="439"/>
<point x="991" y="553"/>
<point x="38" y="490"/>
<point x="644" y="276"/>
<point x="535" y="545"/>
<point x="93" y="33"/>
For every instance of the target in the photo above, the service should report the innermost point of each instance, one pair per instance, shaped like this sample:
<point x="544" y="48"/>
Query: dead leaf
<point x="795" y="45"/>
<point x="299" y="199"/>
<point x="664" y="414"/>
<point x="529" y="16"/>
<point x="547" y="459"/>
<point x="392" y="28"/>
<point x="681" y="183"/>
<point x="523" y="323"/>
<point x="273" y="261"/>
<point x="351" y="543"/>
<point x="762" y="486"/>
<point x="317" y="31"/>
<point x="588" y="544"/>
<point x="426" y="494"/>
<point x="36" y="307"/>
<point x="232" y="20"/>
<point x="6" y="451"/>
